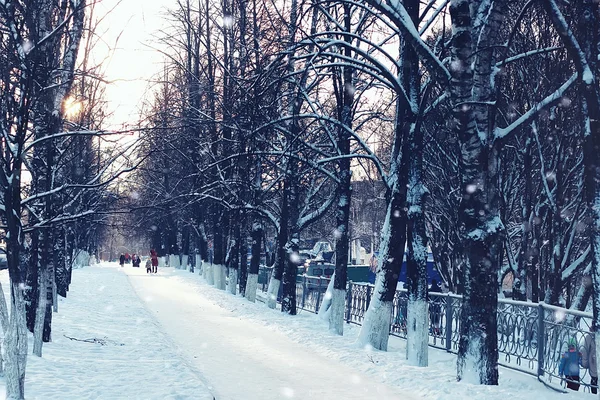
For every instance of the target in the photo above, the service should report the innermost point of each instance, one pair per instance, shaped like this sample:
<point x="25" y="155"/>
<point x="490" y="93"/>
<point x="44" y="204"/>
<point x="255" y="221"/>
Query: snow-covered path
<point x="241" y="358"/>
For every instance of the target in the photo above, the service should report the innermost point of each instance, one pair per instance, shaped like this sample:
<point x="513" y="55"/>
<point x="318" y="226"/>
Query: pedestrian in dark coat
<point x="122" y="260"/>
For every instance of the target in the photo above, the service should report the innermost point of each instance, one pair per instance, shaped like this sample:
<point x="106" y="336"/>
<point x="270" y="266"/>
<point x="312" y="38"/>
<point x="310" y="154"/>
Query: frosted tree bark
<point x="471" y="91"/>
<point x="15" y="345"/>
<point x="416" y="260"/>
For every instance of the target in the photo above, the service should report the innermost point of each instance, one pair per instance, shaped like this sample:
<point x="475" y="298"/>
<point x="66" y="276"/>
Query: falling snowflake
<point x="227" y="21"/>
<point x="337" y="234"/>
<point x="287" y="392"/>
<point x="295" y="258"/>
<point x="565" y="102"/>
<point x="559" y="315"/>
<point x="396" y="213"/>
<point x="134" y="195"/>
<point x="328" y="296"/>
<point x="350" y="89"/>
<point x="471" y="188"/>
<point x="27" y="46"/>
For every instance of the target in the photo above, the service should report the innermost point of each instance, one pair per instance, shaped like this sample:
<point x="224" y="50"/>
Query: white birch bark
<point x="184" y="262"/>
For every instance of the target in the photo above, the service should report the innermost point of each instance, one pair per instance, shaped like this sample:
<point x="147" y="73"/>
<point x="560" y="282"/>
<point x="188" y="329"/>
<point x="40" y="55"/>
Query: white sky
<point x="135" y="24"/>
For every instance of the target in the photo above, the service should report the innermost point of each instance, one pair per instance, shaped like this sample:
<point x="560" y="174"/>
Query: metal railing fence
<point x="531" y="337"/>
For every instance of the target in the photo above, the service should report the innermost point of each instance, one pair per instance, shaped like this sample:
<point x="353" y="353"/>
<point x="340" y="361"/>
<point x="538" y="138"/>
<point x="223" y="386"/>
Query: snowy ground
<point x="172" y="336"/>
<point x="136" y="361"/>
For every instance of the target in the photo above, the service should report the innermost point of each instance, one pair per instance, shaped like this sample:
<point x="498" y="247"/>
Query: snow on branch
<point x="395" y="11"/>
<point x="581" y="260"/>
<point x="573" y="47"/>
<point x="532" y="113"/>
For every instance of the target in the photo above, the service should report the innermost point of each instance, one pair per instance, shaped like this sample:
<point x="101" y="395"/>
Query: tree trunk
<point x="472" y="82"/>
<point x="218" y="264"/>
<point x="416" y="260"/>
<point x="257" y="234"/>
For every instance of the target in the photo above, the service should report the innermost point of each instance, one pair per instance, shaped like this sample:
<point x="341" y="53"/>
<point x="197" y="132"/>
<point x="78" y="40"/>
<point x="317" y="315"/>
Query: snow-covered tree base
<point x="233" y="278"/>
<point x="184" y="262"/>
<point x="375" y="331"/>
<point x="417" y="333"/>
<point x="272" y="292"/>
<point x="162" y="262"/>
<point x="219" y="276"/>
<point x="208" y="273"/>
<point x="174" y="261"/>
<point x="470" y="369"/>
<point x="325" y="309"/>
<point x="198" y="265"/>
<point x="251" y="287"/>
<point x="336" y="316"/>
<point x="81" y="258"/>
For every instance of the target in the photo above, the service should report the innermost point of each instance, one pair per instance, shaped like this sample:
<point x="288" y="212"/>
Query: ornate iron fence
<point x="531" y="337"/>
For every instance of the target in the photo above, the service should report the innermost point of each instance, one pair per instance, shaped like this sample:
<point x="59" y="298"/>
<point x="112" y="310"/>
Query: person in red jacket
<point x="154" y="258"/>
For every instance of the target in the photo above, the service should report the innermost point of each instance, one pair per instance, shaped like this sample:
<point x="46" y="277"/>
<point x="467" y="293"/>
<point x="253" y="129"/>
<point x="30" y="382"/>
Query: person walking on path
<point x="588" y="359"/>
<point x="154" y="258"/>
<point x="136" y="261"/>
<point x="122" y="259"/>
<point x="569" y="365"/>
